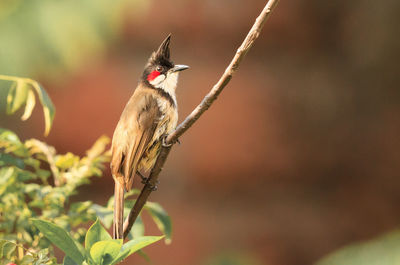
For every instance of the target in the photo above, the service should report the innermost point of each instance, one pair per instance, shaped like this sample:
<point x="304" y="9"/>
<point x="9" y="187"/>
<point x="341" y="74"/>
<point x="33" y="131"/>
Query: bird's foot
<point x="164" y="141"/>
<point x="152" y="187"/>
<point x="145" y="181"/>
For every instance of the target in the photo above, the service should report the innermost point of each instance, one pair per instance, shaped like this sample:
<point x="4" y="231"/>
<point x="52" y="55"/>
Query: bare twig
<point x="197" y="112"/>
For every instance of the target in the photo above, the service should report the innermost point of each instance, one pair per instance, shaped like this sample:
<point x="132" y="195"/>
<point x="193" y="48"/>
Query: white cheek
<point x="157" y="82"/>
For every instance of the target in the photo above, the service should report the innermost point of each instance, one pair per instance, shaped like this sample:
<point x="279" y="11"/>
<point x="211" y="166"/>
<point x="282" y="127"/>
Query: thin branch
<point x="197" y="112"/>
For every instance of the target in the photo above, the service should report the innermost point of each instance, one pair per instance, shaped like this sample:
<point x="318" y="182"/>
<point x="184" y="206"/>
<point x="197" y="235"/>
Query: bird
<point x="149" y="116"/>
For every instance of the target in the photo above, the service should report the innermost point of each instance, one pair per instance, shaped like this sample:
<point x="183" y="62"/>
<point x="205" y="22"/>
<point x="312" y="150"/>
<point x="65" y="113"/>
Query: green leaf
<point x="2" y="244"/>
<point x="161" y="218"/>
<point x="95" y="234"/>
<point x="48" y="107"/>
<point x="17" y="96"/>
<point x="104" y="252"/>
<point x="98" y="147"/>
<point x="43" y="256"/>
<point x="69" y="261"/>
<point x="66" y="161"/>
<point x="8" y="178"/>
<point x="6" y="159"/>
<point x="8" y="249"/>
<point x="30" y="104"/>
<point x="135" y="245"/>
<point x="383" y="250"/>
<point x="26" y="260"/>
<point x="59" y="237"/>
<point x="10" y="141"/>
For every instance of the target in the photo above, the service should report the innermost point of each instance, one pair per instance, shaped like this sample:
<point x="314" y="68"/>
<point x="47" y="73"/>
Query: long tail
<point x="118" y="230"/>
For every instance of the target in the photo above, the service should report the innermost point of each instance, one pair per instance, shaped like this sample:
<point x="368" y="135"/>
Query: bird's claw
<point x="164" y="143"/>
<point x="146" y="182"/>
<point x="152" y="187"/>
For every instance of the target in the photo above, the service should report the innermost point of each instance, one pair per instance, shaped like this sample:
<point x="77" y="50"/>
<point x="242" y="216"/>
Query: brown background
<point x="300" y="154"/>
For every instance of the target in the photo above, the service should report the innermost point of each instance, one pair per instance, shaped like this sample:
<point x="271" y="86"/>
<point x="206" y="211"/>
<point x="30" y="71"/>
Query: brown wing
<point x="133" y="134"/>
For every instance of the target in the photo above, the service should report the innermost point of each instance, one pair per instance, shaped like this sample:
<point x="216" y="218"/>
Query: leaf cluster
<point x="154" y="209"/>
<point x="99" y="249"/>
<point x="22" y="93"/>
<point x="35" y="181"/>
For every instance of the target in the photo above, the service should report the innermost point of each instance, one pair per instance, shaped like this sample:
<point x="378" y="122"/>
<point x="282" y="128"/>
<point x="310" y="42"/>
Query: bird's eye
<point x="159" y="69"/>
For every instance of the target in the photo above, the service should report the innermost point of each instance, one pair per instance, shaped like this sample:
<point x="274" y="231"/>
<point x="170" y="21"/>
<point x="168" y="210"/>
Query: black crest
<point x="162" y="55"/>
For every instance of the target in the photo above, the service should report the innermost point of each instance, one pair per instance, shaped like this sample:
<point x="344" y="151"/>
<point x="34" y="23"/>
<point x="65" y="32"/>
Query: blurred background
<point x="299" y="155"/>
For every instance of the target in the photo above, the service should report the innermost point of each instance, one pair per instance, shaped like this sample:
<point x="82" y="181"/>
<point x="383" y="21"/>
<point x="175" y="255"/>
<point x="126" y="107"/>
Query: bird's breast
<point x="166" y="124"/>
<point x="168" y="119"/>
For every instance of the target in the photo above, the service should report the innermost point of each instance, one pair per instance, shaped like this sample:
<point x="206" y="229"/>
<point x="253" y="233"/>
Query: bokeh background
<point x="298" y="157"/>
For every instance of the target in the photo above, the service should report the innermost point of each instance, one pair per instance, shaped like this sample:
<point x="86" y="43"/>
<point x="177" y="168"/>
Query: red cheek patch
<point x="153" y="75"/>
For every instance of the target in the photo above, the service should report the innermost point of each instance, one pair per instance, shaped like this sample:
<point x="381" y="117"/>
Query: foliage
<point x="22" y="93"/>
<point x="383" y="250"/>
<point x="53" y="37"/>
<point x="99" y="248"/>
<point x="7" y="249"/>
<point x="36" y="185"/>
<point x="29" y="190"/>
<point x="155" y="210"/>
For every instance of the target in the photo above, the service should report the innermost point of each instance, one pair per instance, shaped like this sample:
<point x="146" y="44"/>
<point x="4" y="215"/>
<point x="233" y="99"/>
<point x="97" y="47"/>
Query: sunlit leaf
<point x="27" y="259"/>
<point x="104" y="252"/>
<point x="30" y="104"/>
<point x="7" y="178"/>
<point x="59" y="237"/>
<point x="66" y="161"/>
<point x="95" y="234"/>
<point x="2" y="243"/>
<point x="98" y="147"/>
<point x="135" y="245"/>
<point x="47" y="104"/>
<point x="11" y="143"/>
<point x="8" y="249"/>
<point x="38" y="147"/>
<point x="17" y="96"/>
<point x="30" y="161"/>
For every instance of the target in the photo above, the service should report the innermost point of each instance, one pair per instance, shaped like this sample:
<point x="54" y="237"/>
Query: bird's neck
<point x="169" y="86"/>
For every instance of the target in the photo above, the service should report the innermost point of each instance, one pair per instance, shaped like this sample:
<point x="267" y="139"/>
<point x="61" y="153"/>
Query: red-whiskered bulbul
<point x="150" y="114"/>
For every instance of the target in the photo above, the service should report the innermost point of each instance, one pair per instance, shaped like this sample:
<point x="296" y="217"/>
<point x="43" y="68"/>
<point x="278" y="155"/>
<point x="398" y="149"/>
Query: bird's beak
<point x="179" y="67"/>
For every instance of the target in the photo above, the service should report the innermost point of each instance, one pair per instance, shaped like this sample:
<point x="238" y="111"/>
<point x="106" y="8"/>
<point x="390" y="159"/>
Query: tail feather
<point x="118" y="232"/>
